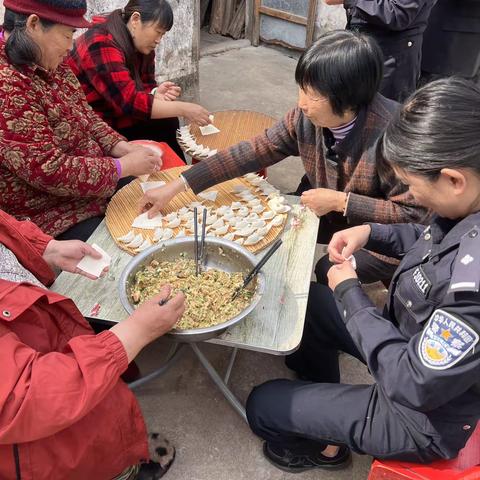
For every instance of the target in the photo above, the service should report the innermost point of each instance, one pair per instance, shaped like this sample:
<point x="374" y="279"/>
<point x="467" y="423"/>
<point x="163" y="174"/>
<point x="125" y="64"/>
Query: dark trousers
<point x="159" y="130"/>
<point x="305" y="415"/>
<point x="83" y="230"/>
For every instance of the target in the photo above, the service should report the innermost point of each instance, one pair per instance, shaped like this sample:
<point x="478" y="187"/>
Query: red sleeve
<point x="36" y="237"/>
<point x="33" y="153"/>
<point x="105" y="68"/>
<point x="148" y="72"/>
<point x="41" y="394"/>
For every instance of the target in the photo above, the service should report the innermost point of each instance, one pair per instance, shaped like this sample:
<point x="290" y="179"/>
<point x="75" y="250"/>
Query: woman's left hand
<point x="66" y="255"/>
<point x="339" y="273"/>
<point x="168" y="91"/>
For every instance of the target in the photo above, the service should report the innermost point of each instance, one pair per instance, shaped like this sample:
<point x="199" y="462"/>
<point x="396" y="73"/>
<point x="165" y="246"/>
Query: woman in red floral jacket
<point x="59" y="162"/>
<point x="115" y="64"/>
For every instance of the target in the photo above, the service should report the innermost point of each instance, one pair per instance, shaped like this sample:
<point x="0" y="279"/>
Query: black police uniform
<point x="422" y="352"/>
<point x="452" y="40"/>
<point x="398" y="28"/>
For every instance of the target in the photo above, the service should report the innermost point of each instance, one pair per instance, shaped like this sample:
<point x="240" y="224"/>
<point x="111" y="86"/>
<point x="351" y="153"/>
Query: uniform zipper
<point x="16" y="457"/>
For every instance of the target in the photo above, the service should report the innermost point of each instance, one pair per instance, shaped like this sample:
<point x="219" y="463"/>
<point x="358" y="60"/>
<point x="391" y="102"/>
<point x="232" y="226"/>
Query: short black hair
<point x="437" y="127"/>
<point x="344" y="66"/>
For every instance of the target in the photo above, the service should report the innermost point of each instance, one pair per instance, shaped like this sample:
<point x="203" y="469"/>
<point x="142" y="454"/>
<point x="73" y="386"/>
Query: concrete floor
<point x="212" y="440"/>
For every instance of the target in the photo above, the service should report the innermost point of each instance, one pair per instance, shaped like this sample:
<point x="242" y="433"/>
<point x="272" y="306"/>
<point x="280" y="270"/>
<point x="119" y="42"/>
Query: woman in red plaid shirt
<point x="115" y="64"/>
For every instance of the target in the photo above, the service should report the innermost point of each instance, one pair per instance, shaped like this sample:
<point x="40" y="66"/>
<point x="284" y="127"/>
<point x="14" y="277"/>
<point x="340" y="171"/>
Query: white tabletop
<point x="276" y="324"/>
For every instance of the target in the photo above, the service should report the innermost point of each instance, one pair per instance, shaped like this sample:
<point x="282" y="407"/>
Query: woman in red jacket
<point x="64" y="411"/>
<point x="115" y="64"/>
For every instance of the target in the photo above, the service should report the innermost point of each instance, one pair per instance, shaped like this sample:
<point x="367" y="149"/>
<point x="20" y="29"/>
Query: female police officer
<point x="422" y="351"/>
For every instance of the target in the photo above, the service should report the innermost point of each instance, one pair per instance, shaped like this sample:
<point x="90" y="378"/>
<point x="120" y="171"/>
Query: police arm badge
<point x="445" y="341"/>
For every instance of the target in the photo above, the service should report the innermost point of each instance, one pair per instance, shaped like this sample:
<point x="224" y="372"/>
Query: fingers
<point x="336" y="248"/>
<point x="89" y="250"/>
<point x="85" y="274"/>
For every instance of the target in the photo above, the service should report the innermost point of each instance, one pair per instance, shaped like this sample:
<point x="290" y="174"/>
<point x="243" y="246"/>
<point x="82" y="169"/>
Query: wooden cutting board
<point x="123" y="208"/>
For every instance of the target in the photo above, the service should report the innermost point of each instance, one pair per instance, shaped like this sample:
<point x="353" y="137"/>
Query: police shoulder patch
<point x="445" y="341"/>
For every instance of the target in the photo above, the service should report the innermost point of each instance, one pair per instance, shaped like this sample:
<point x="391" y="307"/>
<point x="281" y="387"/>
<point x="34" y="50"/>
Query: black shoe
<point x="291" y="462"/>
<point x="152" y="471"/>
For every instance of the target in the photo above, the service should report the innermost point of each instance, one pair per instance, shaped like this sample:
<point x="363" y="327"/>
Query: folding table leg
<point x="232" y="399"/>
<point x="173" y="355"/>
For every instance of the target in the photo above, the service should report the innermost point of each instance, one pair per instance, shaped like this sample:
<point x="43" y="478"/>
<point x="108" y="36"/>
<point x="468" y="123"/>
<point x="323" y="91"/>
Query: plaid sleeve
<point x="398" y="206"/>
<point x="148" y="72"/>
<point x="105" y="67"/>
<point x="103" y="134"/>
<point x="272" y="146"/>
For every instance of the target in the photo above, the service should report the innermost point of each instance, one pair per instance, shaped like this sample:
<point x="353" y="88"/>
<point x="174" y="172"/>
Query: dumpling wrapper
<point x="142" y="221"/>
<point x="209" y="130"/>
<point x="151" y="185"/>
<point x="95" y="266"/>
<point x="213" y="152"/>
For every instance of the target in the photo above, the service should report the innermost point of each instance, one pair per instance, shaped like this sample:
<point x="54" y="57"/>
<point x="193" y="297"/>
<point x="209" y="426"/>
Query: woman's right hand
<point x="140" y="161"/>
<point x="157" y="198"/>
<point x="194" y="113"/>
<point x="346" y="242"/>
<point x="149" y="321"/>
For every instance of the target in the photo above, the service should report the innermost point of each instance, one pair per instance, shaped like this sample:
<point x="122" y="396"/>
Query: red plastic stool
<point x="169" y="158"/>
<point x="464" y="467"/>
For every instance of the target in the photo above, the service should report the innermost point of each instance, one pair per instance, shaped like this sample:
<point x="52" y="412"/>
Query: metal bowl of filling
<point x="210" y="310"/>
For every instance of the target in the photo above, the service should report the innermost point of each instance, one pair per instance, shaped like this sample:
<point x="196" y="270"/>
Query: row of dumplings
<point x="188" y="142"/>
<point x="234" y="222"/>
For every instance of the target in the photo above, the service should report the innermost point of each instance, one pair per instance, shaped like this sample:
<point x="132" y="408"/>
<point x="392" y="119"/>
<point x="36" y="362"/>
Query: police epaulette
<point x="466" y="270"/>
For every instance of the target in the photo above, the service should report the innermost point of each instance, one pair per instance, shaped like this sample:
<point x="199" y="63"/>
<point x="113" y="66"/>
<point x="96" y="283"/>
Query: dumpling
<point x="223" y="209"/>
<point x="259" y="223"/>
<point x="282" y="209"/>
<point x="211" y="195"/>
<point x="127" y="238"/>
<point x="146" y="244"/>
<point x="181" y="233"/>
<point x="253" y="239"/>
<point x="239" y="224"/>
<point x="158" y="234"/>
<point x="258" y="209"/>
<point x="264" y="230"/>
<point x="239" y="188"/>
<point x="239" y="240"/>
<point x="252" y="217"/>
<point x="183" y="211"/>
<point x="171" y="216"/>
<point x="243" y="212"/>
<point x="277" y="221"/>
<point x="219" y="223"/>
<point x="268" y="215"/>
<point x="254" y="202"/>
<point x="136" y="242"/>
<point x="244" y="232"/>
<point x="167" y="234"/>
<point x="174" y="223"/>
<point x="222" y="230"/>
<point x="229" y="236"/>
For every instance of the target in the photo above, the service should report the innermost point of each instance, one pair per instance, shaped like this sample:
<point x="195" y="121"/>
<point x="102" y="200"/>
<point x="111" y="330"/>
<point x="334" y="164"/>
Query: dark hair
<point x="344" y="66"/>
<point x="437" y="127"/>
<point x="20" y="47"/>
<point x="151" y="11"/>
